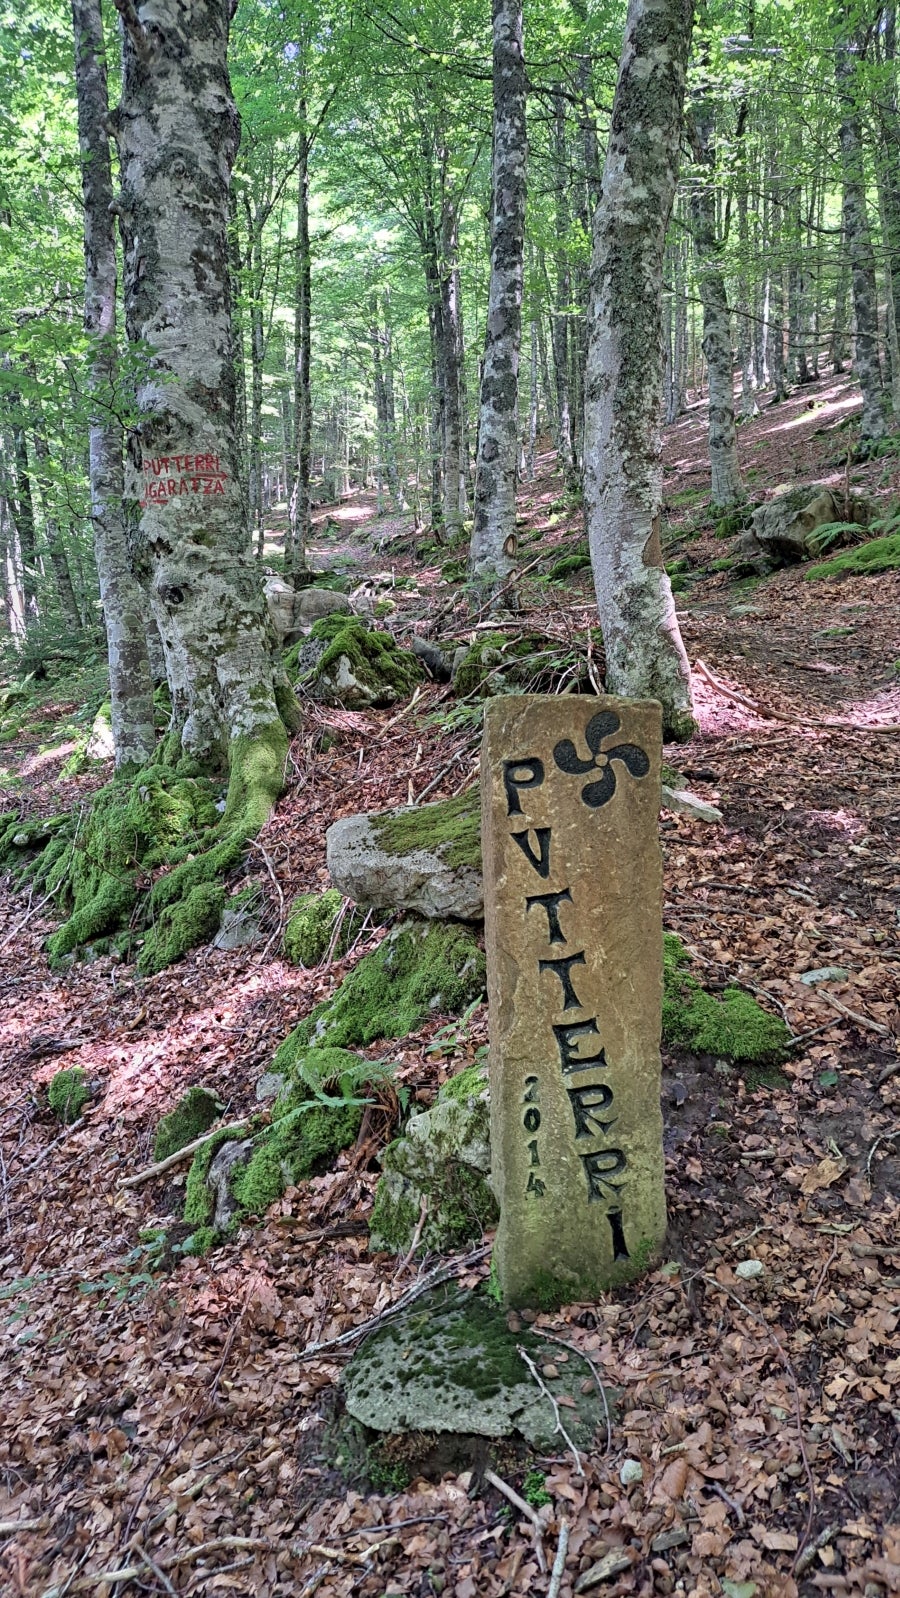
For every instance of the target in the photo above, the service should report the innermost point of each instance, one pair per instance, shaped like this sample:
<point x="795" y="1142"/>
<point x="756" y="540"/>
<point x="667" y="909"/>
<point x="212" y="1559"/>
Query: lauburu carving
<point x="601" y="726"/>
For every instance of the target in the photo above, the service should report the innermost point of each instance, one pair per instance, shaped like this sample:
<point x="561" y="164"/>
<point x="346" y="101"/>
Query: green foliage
<point x="68" y="1094"/>
<point x="733" y="1026"/>
<point x="878" y="555"/>
<point x="418" y="968"/>
<point x="534" y="1489"/>
<point x="193" y="1115"/>
<point x="451" y="826"/>
<point x="311" y="928"/>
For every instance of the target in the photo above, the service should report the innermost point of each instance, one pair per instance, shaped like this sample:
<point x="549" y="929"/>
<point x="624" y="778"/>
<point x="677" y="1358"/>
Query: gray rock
<point x="420" y="880"/>
<point x="218" y="1179"/>
<point x="269" y="1085"/>
<point x="688" y="804"/>
<point x="436" y="1176"/>
<point x="451" y="1366"/>
<point x="783" y="529"/>
<point x="311" y="604"/>
<point x="433" y="659"/>
<point x="825" y="973"/>
<point x="237" y="930"/>
<point x="280" y="602"/>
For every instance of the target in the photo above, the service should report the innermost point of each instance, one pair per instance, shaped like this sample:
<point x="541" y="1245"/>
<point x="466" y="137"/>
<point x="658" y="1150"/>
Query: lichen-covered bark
<point x="131" y="687"/>
<point x="299" y="512"/>
<point x="492" y="552"/>
<point x="178" y="133"/>
<point x="867" y="365"/>
<point x="723" y="458"/>
<point x="645" y="657"/>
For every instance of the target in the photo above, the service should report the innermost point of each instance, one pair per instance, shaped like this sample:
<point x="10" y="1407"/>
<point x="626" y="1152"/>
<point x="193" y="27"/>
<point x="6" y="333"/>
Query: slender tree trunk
<point x="456" y="501"/>
<point x="56" y="548"/>
<point x="873" y="423"/>
<point x="492" y="557"/>
<point x="257" y="354"/>
<point x="645" y="656"/>
<point x="178" y="135"/>
<point x="124" y="604"/>
<point x="559" y="321"/>
<point x="723" y="457"/>
<point x="299" y="508"/>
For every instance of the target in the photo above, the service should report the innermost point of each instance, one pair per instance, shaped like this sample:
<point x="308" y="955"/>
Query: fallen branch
<point x="524" y="1509"/>
<point x="148" y="1174"/>
<point x="550" y="1337"/>
<point x="8" y="1528"/>
<point x="853" y="1015"/>
<point x="132" y="1572"/>
<point x="536" y="1376"/>
<point x="766" y="714"/>
<point x="559" y="1563"/>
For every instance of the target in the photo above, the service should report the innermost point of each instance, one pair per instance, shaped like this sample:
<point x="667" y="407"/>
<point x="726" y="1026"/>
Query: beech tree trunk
<point x="723" y="457"/>
<point x="124" y="604"/>
<point x="492" y="556"/>
<point x="178" y="133"/>
<point x="863" y="282"/>
<point x="645" y="656"/>
<point x="299" y="507"/>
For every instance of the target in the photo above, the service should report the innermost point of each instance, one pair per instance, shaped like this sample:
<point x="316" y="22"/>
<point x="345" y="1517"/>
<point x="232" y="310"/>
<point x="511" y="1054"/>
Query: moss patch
<point x="317" y="1114"/>
<point x="375" y="659"/>
<point x="311" y="926"/>
<point x="193" y="1115"/>
<point x="162" y="824"/>
<point x="733" y="1026"/>
<point x="878" y="555"/>
<point x="418" y="969"/>
<point x="68" y="1094"/>
<point x="452" y="827"/>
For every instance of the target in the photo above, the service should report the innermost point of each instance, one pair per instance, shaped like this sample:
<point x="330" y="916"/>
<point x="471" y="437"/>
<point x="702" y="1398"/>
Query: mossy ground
<point x="528" y="663"/>
<point x="193" y="1115"/>
<point x="68" y="1094"/>
<point x="418" y="969"/>
<point x="732" y="1025"/>
<point x="311" y="928"/>
<point x="452" y="827"/>
<point x="878" y="555"/>
<point x="160" y="823"/>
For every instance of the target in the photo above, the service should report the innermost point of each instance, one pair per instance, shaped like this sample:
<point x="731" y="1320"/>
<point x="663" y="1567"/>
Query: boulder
<point x="438" y="1173"/>
<point x="342" y="662"/>
<point x="783" y="530"/>
<point x="293" y="614"/>
<point x="424" y="858"/>
<point x="451" y="1364"/>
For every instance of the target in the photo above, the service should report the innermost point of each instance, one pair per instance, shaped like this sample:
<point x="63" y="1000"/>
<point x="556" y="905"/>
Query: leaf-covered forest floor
<point x="168" y="1427"/>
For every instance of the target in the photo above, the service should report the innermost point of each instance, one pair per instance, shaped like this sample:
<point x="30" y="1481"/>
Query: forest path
<point x="166" y="1413"/>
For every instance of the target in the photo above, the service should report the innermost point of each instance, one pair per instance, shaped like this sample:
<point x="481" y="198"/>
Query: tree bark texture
<point x="723" y="457"/>
<point x="645" y="656"/>
<point x="178" y="132"/>
<point x="863" y="282"/>
<point x="299" y="509"/>
<point x="131" y="686"/>
<point x="492" y="559"/>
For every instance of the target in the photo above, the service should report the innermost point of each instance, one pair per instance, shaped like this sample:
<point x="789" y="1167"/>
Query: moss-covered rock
<point x="878" y="555"/>
<point x="732" y="1025"/>
<point x="68" y="1093"/>
<point x="579" y="559"/>
<point x="317" y="1113"/>
<point x="343" y="662"/>
<point x="311" y="928"/>
<point x="419" y="969"/>
<point x="499" y="663"/>
<point x="440" y="1166"/>
<point x="424" y="859"/>
<point x="193" y="1115"/>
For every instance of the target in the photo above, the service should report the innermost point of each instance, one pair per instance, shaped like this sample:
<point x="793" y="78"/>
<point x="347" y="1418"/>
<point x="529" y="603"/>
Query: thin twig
<point x="442" y="1273"/>
<point x="416" y="1237"/>
<point x="853" y="1015"/>
<point x="719" y="1287"/>
<point x="524" y="1509"/>
<point x="159" y="1574"/>
<point x="559" y="1563"/>
<point x="883" y="1137"/>
<point x="536" y="1375"/>
<point x="731" y="1502"/>
<point x="550" y="1337"/>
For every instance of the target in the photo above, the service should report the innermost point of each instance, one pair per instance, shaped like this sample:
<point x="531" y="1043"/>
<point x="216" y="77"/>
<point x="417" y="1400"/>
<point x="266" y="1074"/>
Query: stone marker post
<point x="573" y="910"/>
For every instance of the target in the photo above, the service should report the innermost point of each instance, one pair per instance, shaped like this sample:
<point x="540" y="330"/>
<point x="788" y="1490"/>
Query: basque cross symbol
<point x="601" y="726"/>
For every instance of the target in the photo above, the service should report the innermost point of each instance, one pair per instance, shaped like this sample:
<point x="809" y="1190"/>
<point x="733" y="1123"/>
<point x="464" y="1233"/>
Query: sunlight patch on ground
<point x="845" y="821"/>
<point x="46" y="757"/>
